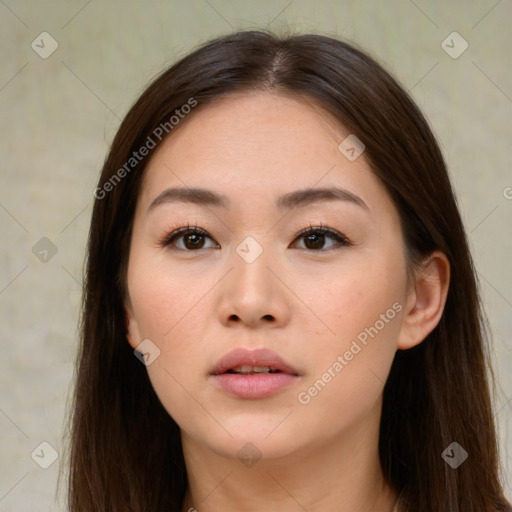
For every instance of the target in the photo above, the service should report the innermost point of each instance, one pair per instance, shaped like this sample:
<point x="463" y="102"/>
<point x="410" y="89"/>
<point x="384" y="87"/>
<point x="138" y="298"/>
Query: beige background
<point x="59" y="115"/>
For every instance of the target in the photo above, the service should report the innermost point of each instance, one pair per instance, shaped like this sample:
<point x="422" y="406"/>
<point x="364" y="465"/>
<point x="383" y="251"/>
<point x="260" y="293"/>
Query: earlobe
<point x="132" y="329"/>
<point x="426" y="302"/>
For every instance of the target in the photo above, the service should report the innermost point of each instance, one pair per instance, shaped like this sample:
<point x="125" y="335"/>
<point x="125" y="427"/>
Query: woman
<point x="280" y="308"/>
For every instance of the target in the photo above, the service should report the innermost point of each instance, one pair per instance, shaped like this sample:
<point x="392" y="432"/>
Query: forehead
<point x="245" y="121"/>
<point x="246" y="143"/>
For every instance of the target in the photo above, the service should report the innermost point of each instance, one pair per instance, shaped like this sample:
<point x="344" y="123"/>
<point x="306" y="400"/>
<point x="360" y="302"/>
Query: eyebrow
<point x="295" y="199"/>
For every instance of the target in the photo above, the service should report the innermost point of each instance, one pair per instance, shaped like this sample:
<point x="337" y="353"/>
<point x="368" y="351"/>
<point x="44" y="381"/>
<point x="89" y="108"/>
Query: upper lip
<point x="256" y="357"/>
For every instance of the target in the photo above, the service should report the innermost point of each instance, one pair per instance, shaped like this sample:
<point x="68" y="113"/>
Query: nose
<point x="252" y="294"/>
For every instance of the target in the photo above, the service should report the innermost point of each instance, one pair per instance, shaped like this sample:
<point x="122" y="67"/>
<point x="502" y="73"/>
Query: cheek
<point x="171" y="308"/>
<point x="166" y="299"/>
<point x="361" y="313"/>
<point x="344" y="302"/>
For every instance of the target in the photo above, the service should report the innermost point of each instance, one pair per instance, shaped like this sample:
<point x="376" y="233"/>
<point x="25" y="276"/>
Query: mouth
<point x="252" y="374"/>
<point x="248" y="370"/>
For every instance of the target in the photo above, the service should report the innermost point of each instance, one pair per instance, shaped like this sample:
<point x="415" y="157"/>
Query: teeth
<point x="253" y="369"/>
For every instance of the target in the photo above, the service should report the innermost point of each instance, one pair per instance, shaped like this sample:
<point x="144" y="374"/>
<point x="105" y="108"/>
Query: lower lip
<point x="254" y="385"/>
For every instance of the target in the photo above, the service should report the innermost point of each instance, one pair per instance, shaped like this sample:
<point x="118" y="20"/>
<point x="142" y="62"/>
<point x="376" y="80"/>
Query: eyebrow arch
<point x="305" y="197"/>
<point x="295" y="199"/>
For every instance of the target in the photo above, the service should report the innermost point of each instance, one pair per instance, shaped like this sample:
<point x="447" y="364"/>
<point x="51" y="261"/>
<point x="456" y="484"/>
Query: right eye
<point x="192" y="238"/>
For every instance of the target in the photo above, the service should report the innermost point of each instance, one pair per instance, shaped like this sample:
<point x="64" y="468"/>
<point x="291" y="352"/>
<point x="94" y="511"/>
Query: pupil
<point x="196" y="243"/>
<point x="320" y="238"/>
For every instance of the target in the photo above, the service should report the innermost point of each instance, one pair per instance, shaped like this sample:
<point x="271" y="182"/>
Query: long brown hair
<point x="125" y="449"/>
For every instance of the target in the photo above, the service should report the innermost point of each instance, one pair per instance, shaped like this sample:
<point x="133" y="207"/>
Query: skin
<point x="308" y="305"/>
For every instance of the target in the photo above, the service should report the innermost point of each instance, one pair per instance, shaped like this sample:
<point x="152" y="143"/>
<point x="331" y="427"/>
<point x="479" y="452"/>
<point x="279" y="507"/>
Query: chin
<point x="254" y="440"/>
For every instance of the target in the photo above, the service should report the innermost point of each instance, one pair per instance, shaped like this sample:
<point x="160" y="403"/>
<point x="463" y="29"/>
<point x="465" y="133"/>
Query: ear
<point x="426" y="300"/>
<point x="132" y="328"/>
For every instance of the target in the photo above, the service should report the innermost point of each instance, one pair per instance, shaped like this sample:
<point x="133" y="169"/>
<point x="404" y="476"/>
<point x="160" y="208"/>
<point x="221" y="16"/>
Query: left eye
<point x="314" y="238"/>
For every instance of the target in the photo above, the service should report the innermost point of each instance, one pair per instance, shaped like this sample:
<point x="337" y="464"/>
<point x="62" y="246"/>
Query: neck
<point x="335" y="475"/>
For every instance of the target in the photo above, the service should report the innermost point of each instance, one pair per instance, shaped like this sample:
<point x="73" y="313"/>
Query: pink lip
<point x="253" y="385"/>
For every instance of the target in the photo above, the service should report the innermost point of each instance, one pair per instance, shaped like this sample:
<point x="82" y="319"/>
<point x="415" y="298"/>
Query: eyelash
<point x="340" y="239"/>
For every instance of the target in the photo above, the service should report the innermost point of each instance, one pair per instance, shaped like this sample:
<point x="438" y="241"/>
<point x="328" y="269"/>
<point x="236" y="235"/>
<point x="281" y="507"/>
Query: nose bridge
<point x="250" y="261"/>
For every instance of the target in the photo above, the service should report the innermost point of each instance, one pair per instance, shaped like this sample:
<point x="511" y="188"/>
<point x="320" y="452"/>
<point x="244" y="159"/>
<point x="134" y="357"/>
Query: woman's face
<point x="318" y="317"/>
